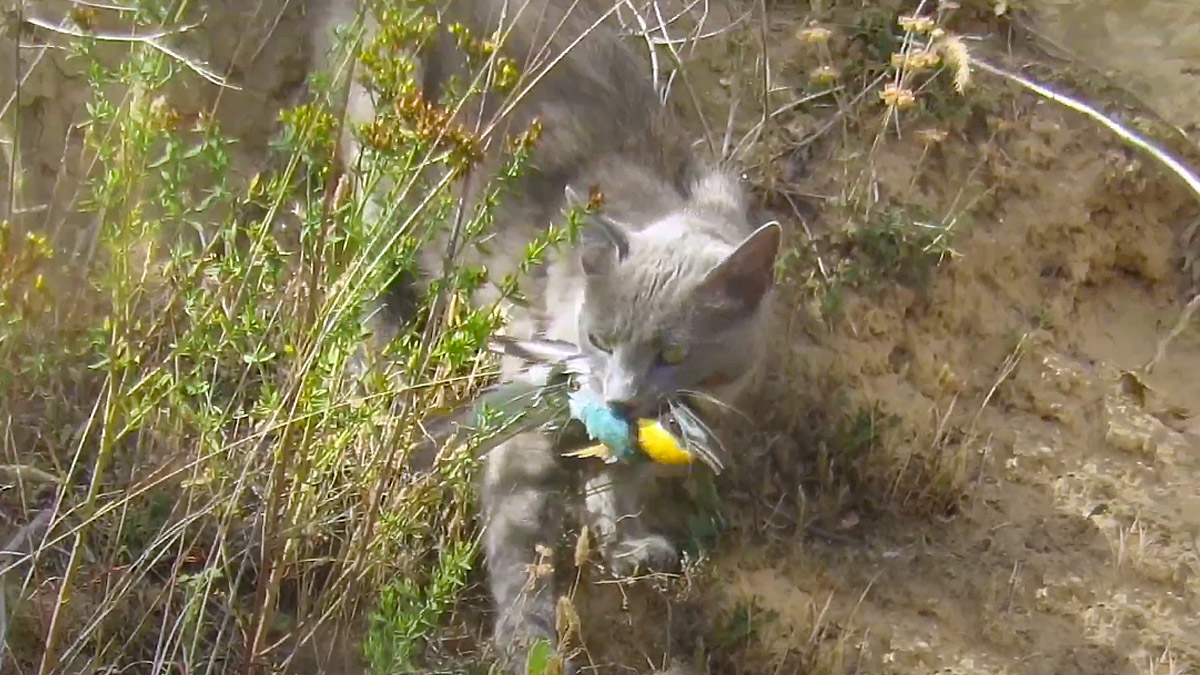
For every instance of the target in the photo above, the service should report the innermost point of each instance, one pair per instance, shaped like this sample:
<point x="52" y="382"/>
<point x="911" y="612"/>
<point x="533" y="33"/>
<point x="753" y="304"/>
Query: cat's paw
<point x="643" y="555"/>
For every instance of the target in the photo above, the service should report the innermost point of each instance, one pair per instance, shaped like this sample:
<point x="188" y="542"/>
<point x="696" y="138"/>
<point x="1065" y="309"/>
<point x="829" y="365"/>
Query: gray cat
<point x="667" y="292"/>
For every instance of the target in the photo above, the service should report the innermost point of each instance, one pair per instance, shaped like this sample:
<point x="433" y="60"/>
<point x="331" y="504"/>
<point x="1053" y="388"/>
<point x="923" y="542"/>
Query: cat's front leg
<point x="522" y="509"/>
<point x="615" y="501"/>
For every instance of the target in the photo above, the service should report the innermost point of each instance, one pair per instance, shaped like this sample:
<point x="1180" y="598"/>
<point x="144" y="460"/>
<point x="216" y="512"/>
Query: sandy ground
<point x="1068" y="542"/>
<point x="1035" y="507"/>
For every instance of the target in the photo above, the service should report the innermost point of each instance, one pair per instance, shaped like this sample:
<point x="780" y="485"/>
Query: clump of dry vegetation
<point x="201" y="482"/>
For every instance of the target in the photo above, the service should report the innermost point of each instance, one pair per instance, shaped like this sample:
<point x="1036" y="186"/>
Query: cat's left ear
<point x="603" y="243"/>
<point x="742" y="279"/>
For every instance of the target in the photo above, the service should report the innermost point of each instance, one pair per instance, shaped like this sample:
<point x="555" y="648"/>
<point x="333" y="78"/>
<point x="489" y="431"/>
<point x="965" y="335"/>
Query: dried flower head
<point x="162" y="116"/>
<point x="582" y="547"/>
<point x="83" y="17"/>
<point x="566" y="619"/>
<point x="930" y="136"/>
<point x="824" y="75"/>
<point x="916" y="24"/>
<point x="916" y="60"/>
<point x="542" y="567"/>
<point x="813" y="34"/>
<point x="895" y="96"/>
<point x="958" y="58"/>
<point x="595" y="197"/>
<point x="539" y="570"/>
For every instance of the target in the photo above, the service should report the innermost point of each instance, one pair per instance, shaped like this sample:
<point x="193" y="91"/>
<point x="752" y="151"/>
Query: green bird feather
<point x="508" y="408"/>
<point x="499" y="413"/>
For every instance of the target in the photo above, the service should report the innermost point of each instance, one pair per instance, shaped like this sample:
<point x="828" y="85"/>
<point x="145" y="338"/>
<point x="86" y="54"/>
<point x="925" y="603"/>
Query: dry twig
<point x="152" y="40"/>
<point x="1140" y="142"/>
<point x="1185" y="317"/>
<point x="1128" y="135"/>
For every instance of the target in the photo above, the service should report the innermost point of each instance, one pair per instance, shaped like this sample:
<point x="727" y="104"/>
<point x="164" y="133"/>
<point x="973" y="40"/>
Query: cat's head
<point x="676" y="305"/>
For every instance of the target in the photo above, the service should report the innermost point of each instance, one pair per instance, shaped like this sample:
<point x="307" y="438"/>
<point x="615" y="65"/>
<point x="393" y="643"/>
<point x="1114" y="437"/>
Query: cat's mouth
<point x="642" y="409"/>
<point x="659" y="409"/>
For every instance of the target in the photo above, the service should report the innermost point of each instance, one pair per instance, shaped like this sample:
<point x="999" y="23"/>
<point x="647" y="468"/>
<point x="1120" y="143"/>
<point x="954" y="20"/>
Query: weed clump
<point x="222" y="487"/>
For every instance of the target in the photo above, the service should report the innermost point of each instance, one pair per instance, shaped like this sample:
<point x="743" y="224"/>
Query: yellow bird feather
<point x="661" y="445"/>
<point x="599" y="450"/>
<point x="654" y="440"/>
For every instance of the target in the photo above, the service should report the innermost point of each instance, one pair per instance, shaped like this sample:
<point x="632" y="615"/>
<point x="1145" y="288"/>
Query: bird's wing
<point x="504" y="409"/>
<point x="541" y="351"/>
<point x="598" y="450"/>
<point x="536" y="350"/>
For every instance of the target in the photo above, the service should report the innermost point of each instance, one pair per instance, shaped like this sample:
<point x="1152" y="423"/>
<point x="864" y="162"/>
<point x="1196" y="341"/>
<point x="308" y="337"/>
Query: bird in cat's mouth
<point x="667" y="431"/>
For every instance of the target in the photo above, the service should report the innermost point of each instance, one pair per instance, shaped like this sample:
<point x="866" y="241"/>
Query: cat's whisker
<point x="709" y="398"/>
<point x="699" y="436"/>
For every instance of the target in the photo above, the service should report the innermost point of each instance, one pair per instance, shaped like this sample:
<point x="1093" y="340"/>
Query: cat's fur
<point x="673" y="265"/>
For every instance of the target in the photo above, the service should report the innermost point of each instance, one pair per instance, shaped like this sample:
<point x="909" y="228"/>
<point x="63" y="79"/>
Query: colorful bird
<point x="621" y="440"/>
<point x="518" y="405"/>
<point x="654" y="442"/>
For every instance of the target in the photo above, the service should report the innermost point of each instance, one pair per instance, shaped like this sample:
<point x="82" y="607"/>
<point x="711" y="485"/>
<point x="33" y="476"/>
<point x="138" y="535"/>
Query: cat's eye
<point x="600" y="343"/>
<point x="673" y="355"/>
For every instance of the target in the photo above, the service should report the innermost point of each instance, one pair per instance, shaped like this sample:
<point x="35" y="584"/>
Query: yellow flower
<point x="897" y="97"/>
<point x="813" y="34"/>
<point x="916" y="61"/>
<point x="825" y="75"/>
<point x="931" y="136"/>
<point x="916" y="24"/>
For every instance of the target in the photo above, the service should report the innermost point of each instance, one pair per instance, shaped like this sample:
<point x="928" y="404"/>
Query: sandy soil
<point x="1034" y="507"/>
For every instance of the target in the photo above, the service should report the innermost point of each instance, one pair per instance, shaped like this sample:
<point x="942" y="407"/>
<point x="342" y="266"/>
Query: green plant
<point x="230" y="485"/>
<point x="893" y="245"/>
<point x="407" y="613"/>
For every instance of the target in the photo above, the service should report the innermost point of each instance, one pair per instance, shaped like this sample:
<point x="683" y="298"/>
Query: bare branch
<point x="152" y="40"/>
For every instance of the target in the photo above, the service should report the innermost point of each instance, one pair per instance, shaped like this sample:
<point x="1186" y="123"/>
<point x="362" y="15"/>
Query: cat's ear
<point x="603" y="242"/>
<point x="742" y="279"/>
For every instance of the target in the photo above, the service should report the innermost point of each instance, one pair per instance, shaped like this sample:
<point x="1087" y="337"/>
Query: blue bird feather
<point x="603" y="424"/>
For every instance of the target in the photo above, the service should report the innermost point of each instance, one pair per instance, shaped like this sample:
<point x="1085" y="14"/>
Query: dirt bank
<point x="970" y="470"/>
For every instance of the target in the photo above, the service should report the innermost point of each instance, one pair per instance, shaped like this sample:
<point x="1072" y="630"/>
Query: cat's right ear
<point x="741" y="280"/>
<point x="603" y="242"/>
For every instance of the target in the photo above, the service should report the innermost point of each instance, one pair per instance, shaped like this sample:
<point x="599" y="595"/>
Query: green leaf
<point x="537" y="662"/>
